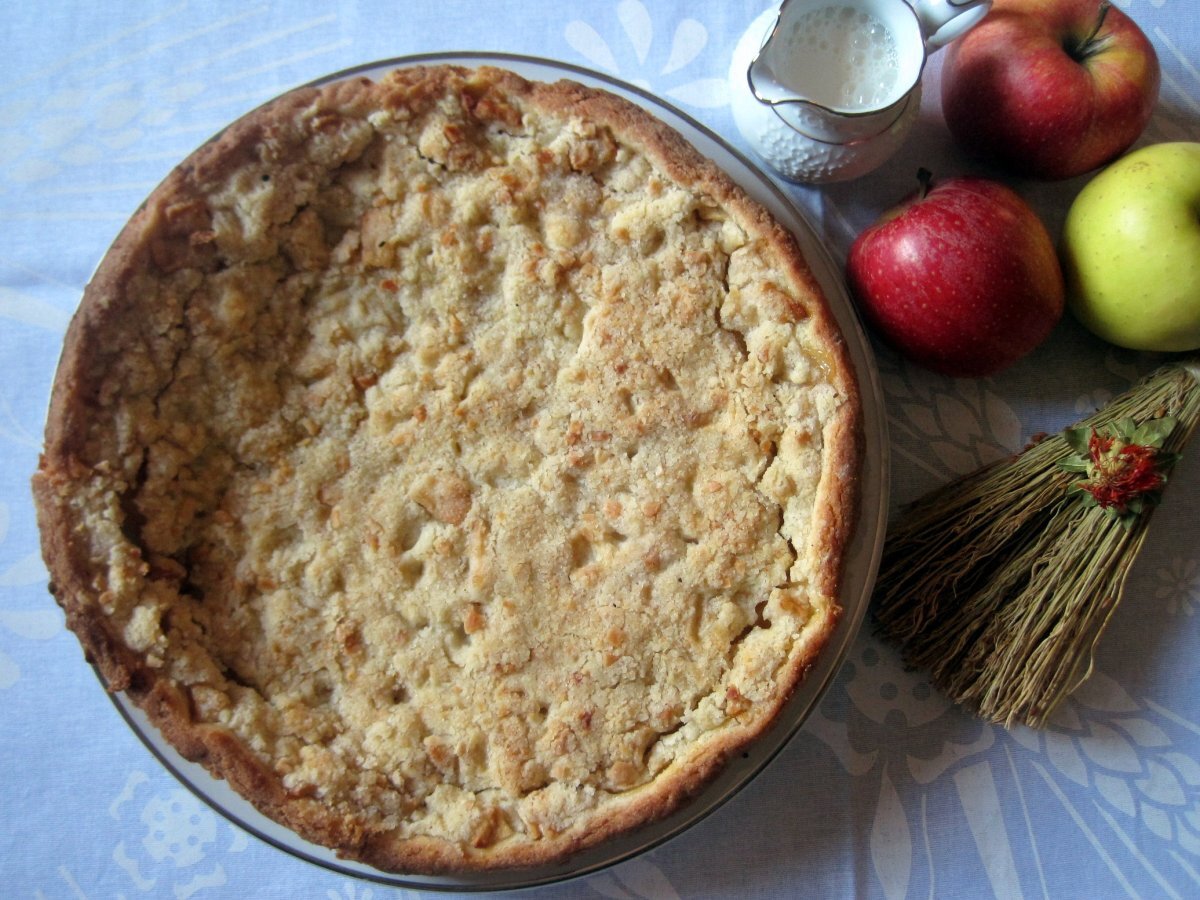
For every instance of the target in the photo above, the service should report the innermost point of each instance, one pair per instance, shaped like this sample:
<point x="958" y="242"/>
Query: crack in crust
<point x="460" y="466"/>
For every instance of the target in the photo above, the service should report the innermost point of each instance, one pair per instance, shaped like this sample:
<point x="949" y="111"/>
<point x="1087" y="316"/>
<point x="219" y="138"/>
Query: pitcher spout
<point x="765" y="83"/>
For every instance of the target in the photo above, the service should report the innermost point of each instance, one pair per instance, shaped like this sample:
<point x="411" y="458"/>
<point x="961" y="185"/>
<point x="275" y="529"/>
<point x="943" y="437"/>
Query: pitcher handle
<point x="944" y="20"/>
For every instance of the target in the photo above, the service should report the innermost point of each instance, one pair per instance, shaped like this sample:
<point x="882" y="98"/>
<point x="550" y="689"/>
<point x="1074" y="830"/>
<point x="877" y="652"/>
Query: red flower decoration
<point x="1124" y="465"/>
<point x="1120" y="472"/>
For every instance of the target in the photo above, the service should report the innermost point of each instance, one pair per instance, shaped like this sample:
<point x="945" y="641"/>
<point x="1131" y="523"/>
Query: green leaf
<point x="1124" y="428"/>
<point x="1078" y="440"/>
<point x="1154" y="432"/>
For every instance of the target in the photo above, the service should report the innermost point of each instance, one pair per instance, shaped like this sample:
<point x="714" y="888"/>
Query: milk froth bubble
<point x="841" y="58"/>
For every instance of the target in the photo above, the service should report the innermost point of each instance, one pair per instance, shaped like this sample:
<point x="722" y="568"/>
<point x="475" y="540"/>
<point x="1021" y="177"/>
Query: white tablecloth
<point x="887" y="792"/>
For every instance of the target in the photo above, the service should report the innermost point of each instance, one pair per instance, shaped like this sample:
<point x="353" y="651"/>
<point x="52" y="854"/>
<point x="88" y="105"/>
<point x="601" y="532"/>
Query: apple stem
<point x="925" y="177"/>
<point x="1090" y="45"/>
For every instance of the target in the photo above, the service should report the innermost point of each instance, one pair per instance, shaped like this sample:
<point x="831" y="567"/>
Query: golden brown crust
<point x="311" y="457"/>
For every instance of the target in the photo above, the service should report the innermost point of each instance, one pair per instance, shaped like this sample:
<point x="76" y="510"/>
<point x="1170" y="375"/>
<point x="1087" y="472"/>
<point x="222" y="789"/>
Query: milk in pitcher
<point x="845" y="58"/>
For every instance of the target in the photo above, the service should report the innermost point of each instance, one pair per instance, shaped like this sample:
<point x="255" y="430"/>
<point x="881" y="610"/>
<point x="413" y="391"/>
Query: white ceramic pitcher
<point x="826" y="90"/>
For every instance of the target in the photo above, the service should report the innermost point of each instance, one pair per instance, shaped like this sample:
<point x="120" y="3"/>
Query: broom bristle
<point x="1000" y="584"/>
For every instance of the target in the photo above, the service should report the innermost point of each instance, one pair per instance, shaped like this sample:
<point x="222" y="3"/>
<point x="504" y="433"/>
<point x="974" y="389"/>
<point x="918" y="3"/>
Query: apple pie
<point x="460" y="466"/>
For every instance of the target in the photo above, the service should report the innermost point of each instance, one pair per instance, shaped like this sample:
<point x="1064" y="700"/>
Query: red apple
<point x="1050" y="88"/>
<point x="961" y="277"/>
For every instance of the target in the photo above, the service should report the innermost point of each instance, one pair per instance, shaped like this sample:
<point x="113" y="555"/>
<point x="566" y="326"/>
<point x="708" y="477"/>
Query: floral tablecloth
<point x="888" y="791"/>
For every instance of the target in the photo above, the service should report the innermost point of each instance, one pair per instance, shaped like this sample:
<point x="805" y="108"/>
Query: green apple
<point x="1131" y="250"/>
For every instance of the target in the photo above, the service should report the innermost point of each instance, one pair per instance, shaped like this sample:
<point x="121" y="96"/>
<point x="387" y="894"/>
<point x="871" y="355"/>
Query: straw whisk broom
<point x="1000" y="583"/>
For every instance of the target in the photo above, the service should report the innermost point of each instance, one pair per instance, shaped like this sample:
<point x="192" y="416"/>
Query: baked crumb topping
<point x="472" y="468"/>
